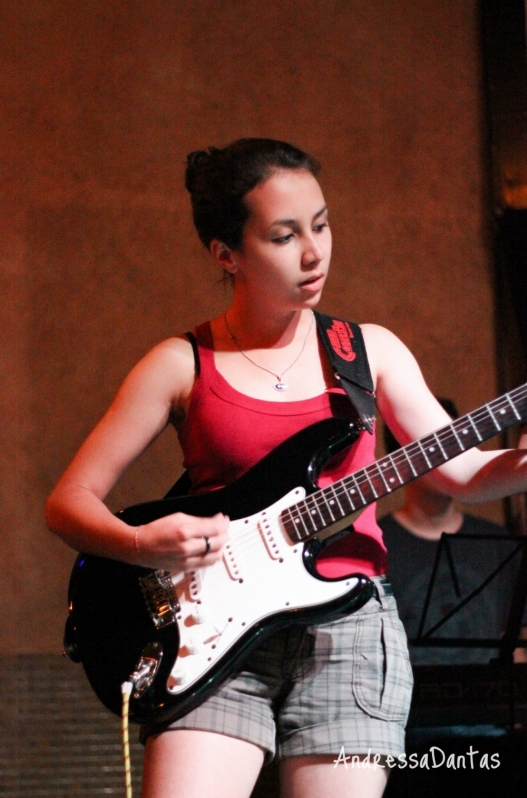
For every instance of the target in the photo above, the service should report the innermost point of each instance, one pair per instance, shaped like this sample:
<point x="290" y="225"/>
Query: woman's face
<point x="286" y="246"/>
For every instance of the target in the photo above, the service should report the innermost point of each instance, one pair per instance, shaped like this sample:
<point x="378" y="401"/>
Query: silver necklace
<point x="280" y="385"/>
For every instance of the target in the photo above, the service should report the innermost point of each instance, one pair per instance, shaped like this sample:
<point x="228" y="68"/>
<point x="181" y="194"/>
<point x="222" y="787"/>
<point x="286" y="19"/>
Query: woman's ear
<point x="224" y="256"/>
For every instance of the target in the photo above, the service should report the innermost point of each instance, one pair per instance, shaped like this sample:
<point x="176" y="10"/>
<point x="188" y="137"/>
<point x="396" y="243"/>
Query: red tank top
<point x="226" y="432"/>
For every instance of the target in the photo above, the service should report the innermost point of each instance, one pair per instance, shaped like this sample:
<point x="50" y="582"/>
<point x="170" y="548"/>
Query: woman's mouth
<point x="313" y="283"/>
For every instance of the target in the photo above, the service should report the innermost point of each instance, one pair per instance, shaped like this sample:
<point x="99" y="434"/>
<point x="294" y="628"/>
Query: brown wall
<point x="102" y="99"/>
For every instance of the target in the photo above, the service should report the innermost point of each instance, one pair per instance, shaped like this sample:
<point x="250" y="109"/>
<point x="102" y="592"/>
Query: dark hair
<point x="218" y="180"/>
<point x="390" y="443"/>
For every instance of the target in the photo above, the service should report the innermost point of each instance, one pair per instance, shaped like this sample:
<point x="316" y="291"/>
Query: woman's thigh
<point x="186" y="763"/>
<point x="316" y="776"/>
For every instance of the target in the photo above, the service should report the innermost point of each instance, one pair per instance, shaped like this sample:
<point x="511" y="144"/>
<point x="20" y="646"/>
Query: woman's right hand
<point x="179" y="541"/>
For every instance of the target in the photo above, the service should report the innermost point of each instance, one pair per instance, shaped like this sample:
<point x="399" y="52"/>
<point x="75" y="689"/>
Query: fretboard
<point x="351" y="494"/>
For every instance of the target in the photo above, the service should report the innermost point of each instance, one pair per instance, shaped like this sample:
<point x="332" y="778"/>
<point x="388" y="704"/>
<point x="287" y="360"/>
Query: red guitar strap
<point x="344" y="344"/>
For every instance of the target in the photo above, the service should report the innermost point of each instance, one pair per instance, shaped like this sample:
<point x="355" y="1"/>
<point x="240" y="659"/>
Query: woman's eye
<point x="320" y="227"/>
<point x="283" y="239"/>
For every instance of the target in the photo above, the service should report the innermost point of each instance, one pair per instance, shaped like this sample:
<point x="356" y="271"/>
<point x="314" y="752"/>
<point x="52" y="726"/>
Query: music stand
<point x="509" y="640"/>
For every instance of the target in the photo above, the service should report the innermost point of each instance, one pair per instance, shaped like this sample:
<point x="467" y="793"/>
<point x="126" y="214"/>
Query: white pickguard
<point x="260" y="574"/>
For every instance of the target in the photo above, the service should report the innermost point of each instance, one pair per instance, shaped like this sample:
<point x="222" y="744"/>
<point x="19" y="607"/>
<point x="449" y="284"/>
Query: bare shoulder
<point x="374" y="334"/>
<point x="386" y="352"/>
<point x="163" y="377"/>
<point x="177" y="349"/>
<point x="403" y="397"/>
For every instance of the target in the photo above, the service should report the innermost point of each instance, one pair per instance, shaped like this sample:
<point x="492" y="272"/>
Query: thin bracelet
<point x="136" y="541"/>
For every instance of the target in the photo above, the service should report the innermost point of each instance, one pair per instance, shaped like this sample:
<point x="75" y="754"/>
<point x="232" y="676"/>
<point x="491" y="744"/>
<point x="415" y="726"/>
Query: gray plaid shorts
<point x="316" y="689"/>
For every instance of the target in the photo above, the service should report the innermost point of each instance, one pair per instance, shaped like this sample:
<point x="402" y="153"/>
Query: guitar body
<point x="120" y="621"/>
<point x="178" y="636"/>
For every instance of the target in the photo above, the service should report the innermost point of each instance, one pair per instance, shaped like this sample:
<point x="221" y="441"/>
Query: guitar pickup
<point x="160" y="597"/>
<point x="232" y="561"/>
<point x="271" y="536"/>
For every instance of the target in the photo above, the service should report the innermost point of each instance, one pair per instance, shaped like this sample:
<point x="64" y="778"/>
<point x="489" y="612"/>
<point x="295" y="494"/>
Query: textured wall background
<point x="102" y="100"/>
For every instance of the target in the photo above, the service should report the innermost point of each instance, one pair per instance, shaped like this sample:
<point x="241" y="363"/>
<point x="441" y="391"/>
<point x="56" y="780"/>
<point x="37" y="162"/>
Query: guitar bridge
<point x="160" y="597"/>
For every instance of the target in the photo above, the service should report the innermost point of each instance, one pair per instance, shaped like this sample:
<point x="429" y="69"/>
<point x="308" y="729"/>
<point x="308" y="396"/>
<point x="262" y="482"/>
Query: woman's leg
<point x="186" y="763"/>
<point x="319" y="776"/>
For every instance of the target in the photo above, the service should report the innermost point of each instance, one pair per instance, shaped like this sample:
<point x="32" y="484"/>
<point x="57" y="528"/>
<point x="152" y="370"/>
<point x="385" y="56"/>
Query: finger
<point x="217" y="524"/>
<point x="212" y="535"/>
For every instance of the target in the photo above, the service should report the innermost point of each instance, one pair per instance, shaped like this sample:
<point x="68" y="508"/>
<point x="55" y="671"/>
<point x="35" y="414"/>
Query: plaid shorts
<point x="315" y="689"/>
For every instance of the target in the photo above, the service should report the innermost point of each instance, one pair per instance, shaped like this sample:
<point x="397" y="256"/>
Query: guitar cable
<point x="126" y="690"/>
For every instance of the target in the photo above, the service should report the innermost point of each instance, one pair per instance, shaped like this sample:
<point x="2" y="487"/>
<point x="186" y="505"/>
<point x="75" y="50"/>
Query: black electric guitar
<point x="181" y="634"/>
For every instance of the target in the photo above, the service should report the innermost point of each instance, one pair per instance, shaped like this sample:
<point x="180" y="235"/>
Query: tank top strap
<point x="207" y="365"/>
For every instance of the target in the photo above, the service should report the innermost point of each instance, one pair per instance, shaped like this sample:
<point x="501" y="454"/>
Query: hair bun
<point x="193" y="161"/>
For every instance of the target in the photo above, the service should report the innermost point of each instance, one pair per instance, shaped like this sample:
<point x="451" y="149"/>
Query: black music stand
<point x="510" y="639"/>
<point x="505" y="644"/>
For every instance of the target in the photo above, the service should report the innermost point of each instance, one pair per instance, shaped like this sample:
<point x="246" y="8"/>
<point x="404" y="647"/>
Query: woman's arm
<point x="411" y="411"/>
<point x="156" y="389"/>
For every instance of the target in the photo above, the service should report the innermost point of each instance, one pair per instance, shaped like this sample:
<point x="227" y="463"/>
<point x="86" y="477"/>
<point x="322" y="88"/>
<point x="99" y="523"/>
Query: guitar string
<point x="441" y="436"/>
<point x="213" y="576"/>
<point x="250" y="540"/>
<point x="242" y="543"/>
<point x="308" y="508"/>
<point x="374" y="474"/>
<point x="340" y="488"/>
<point x="311" y="506"/>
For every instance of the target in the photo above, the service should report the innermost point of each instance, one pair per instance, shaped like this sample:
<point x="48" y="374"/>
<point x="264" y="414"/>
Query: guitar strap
<point x="345" y="347"/>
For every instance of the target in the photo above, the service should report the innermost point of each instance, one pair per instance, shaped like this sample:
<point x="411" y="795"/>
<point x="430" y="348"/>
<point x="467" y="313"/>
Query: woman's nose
<point x="312" y="253"/>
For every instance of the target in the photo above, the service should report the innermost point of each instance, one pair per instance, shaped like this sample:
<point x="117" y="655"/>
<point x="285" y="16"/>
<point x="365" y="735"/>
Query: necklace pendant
<point x="280" y="386"/>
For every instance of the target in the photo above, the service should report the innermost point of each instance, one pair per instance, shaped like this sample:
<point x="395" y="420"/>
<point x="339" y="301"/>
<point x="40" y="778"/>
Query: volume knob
<point x="193" y="645"/>
<point x="199" y="614"/>
<point x="179" y="675"/>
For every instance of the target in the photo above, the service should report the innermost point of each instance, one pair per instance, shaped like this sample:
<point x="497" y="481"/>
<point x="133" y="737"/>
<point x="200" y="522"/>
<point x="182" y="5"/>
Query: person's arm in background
<point x="520" y="654"/>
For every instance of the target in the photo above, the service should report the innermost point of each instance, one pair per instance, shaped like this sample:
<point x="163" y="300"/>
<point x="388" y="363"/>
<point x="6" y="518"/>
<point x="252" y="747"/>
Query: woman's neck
<point x="264" y="329"/>
<point x="257" y="355"/>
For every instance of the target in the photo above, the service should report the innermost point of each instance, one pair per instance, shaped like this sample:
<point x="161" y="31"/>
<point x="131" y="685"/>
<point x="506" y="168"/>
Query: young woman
<point x="262" y="376"/>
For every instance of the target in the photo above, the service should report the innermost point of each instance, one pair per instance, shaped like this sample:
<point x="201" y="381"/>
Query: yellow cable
<point x="126" y="689"/>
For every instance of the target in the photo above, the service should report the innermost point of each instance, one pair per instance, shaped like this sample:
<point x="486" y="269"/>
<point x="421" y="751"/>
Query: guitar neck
<point x="351" y="494"/>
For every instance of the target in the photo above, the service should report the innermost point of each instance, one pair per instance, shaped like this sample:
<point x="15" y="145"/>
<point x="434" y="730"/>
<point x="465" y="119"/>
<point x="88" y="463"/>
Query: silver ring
<point x="207" y="547"/>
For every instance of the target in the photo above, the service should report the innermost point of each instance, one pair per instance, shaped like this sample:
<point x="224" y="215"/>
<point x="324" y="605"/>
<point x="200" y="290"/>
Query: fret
<point x="345" y="493"/>
<point x="394" y="466"/>
<point x="311" y="504"/>
<point x="319" y="507"/>
<point x="305" y="511"/>
<point x="372" y="486"/>
<point x="379" y="469"/>
<point x="335" y="494"/>
<point x="355" y="489"/>
<point x="329" y="502"/>
<point x="429" y="464"/>
<point x="466" y="431"/>
<point x="458" y="439"/>
<point x="409" y="459"/>
<point x="428" y="461"/>
<point x="476" y="430"/>
<point x="350" y="494"/>
<point x="431" y="451"/>
<point x="503" y="415"/>
<point x="493" y="417"/>
<point x="377" y="477"/>
<point x="369" y="491"/>
<point x="299" y="520"/>
<point x="513" y="407"/>
<point x="286" y="517"/>
<point x="436" y="436"/>
<point x="450" y="442"/>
